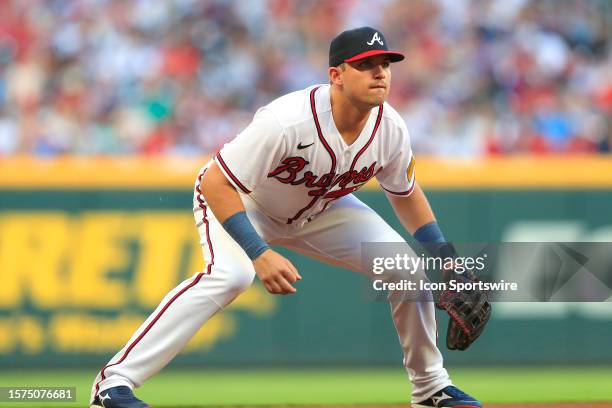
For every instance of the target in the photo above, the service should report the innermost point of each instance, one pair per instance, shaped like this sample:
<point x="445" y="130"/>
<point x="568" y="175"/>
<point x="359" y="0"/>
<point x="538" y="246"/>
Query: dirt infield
<point x="543" y="405"/>
<point x="554" y="405"/>
<point x="549" y="405"/>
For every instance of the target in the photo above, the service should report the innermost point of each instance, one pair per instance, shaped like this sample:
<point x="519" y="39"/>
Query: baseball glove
<point x="469" y="312"/>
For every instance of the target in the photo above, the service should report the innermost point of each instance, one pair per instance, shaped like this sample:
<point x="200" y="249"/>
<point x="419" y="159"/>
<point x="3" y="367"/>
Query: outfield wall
<point x="88" y="248"/>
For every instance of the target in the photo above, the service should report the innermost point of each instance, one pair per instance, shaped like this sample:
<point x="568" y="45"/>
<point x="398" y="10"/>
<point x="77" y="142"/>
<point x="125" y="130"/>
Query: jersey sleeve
<point x="248" y="158"/>
<point x="398" y="177"/>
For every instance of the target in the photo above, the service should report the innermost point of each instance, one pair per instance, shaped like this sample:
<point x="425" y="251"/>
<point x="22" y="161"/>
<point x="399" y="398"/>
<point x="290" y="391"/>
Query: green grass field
<point x="197" y="388"/>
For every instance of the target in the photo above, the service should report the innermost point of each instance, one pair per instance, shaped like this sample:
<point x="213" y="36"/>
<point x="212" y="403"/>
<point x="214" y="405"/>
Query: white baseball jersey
<point x="293" y="161"/>
<point x="290" y="163"/>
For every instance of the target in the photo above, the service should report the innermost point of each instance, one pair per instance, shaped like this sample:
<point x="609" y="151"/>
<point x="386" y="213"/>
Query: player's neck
<point x="348" y="118"/>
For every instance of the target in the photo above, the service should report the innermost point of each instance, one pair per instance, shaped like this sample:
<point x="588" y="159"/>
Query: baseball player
<point x="287" y="180"/>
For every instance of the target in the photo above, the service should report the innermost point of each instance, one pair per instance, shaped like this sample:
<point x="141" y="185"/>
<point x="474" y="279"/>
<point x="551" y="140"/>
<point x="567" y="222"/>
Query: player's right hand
<point x="276" y="273"/>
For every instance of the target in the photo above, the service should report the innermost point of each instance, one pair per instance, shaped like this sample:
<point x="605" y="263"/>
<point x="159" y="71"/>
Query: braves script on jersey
<point x="293" y="161"/>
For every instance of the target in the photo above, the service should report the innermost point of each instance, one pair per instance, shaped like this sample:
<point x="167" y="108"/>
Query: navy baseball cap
<point x="359" y="43"/>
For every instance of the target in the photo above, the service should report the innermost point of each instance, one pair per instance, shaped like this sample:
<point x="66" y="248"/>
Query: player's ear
<point x="335" y="75"/>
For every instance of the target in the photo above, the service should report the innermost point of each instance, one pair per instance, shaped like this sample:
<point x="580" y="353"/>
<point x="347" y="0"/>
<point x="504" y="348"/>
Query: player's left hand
<point x="469" y="312"/>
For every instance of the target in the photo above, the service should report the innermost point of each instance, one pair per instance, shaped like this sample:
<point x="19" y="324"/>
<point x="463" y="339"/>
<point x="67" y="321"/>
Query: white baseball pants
<point x="333" y="237"/>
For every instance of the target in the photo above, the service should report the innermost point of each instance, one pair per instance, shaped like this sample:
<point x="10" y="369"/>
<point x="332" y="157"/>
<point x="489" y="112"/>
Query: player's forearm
<point x="220" y="195"/>
<point x="226" y="205"/>
<point x="413" y="211"/>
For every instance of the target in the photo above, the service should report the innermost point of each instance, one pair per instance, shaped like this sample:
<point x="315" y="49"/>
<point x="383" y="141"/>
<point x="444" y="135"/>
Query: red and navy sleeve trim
<point x="231" y="175"/>
<point x="401" y="193"/>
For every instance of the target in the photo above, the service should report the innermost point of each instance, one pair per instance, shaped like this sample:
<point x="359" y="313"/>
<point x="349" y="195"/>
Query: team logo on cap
<point x="376" y="38"/>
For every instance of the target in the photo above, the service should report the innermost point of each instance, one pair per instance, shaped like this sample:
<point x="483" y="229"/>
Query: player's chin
<point x="377" y="96"/>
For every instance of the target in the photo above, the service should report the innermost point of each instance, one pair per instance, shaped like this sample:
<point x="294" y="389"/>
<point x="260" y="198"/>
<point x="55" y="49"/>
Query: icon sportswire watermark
<point x="508" y="272"/>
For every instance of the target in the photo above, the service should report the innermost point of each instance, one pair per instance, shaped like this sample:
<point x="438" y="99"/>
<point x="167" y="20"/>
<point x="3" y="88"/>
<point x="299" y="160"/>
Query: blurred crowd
<point x="181" y="77"/>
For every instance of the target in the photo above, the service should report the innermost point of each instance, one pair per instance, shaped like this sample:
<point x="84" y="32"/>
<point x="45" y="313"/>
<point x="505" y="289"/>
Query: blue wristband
<point x="242" y="231"/>
<point x="431" y="237"/>
<point x="429" y="233"/>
